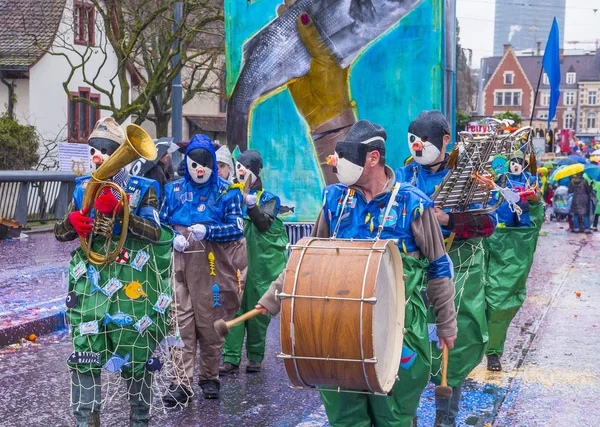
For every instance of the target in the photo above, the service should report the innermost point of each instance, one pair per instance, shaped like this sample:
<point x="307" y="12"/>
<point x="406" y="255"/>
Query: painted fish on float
<point x="276" y="54"/>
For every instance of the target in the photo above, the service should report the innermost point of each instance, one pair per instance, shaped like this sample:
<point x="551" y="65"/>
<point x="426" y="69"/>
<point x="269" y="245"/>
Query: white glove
<point x="180" y="243"/>
<point x="251" y="200"/>
<point x="198" y="231"/>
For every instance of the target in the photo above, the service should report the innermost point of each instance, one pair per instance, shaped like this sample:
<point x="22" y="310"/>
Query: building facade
<point x="509" y="82"/>
<point x="523" y="24"/>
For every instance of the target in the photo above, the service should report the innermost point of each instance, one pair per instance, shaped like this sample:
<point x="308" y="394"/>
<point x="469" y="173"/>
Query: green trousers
<point x="399" y="409"/>
<point x="509" y="256"/>
<point x="469" y="347"/>
<point x="267" y="256"/>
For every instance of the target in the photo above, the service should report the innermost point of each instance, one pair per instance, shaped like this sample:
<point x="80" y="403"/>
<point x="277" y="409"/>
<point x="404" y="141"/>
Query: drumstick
<point x="222" y="327"/>
<point x="442" y="391"/>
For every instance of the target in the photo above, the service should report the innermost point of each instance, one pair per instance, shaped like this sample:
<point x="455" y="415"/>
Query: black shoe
<point x="177" y="395"/>
<point x="253" y="367"/>
<point x="210" y="388"/>
<point x="494" y="363"/>
<point x="228" y="369"/>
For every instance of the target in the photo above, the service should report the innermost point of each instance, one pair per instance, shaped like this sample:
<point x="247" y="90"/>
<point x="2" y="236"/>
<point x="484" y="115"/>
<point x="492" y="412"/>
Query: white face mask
<point x="244" y="174"/>
<point x="516" y="168"/>
<point x="424" y="153"/>
<point x="347" y="172"/>
<point x="198" y="173"/>
<point x="97" y="160"/>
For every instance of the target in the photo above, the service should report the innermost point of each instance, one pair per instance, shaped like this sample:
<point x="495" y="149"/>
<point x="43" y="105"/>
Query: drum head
<point x="388" y="317"/>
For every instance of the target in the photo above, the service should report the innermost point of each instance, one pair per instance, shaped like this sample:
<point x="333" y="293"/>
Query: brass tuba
<point x="137" y="144"/>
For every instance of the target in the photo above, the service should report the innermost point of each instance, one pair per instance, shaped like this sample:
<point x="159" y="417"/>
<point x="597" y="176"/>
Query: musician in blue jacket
<point x="355" y="209"/>
<point x="210" y="262"/>
<point x="428" y="139"/>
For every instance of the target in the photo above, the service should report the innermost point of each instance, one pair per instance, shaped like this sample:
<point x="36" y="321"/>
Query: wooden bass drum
<point x="342" y="314"/>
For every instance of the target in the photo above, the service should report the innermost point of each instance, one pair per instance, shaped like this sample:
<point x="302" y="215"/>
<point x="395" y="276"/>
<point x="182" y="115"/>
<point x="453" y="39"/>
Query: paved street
<point x="550" y="376"/>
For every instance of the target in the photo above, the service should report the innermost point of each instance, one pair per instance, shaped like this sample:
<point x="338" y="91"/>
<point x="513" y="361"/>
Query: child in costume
<point x="359" y="164"/>
<point x="428" y="139"/>
<point x="117" y="312"/>
<point x="210" y="263"/>
<point x="509" y="255"/>
<point x="266" y="239"/>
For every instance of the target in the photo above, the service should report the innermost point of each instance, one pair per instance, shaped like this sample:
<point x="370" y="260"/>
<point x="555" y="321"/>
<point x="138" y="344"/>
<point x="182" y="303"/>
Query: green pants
<point x="266" y="259"/>
<point x="255" y="330"/>
<point x="399" y="409"/>
<point x="509" y="256"/>
<point x="469" y="347"/>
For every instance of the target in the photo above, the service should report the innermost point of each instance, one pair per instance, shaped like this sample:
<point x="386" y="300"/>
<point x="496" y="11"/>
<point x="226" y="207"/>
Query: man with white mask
<point x="355" y="208"/>
<point x="210" y="263"/>
<point x="428" y="138"/>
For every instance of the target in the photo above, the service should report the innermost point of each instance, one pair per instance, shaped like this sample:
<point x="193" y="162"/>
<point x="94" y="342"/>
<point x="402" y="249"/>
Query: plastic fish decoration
<point x="93" y="277"/>
<point x="116" y="363"/>
<point x="211" y="264"/>
<point x="134" y="290"/>
<point x="216" y="291"/>
<point x="119" y="318"/>
<point x="84" y="357"/>
<point x="153" y="364"/>
<point x="72" y="299"/>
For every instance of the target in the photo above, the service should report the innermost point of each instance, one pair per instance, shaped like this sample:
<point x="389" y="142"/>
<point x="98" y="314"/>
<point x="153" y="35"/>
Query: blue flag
<point x="551" y="63"/>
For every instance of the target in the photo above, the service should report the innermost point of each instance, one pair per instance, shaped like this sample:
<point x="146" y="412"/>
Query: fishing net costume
<point x="120" y="321"/>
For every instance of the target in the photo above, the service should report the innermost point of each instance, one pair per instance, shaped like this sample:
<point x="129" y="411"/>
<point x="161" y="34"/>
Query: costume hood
<point x="204" y="142"/>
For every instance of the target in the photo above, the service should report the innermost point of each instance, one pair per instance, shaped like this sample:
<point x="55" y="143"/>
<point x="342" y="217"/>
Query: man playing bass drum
<point x="359" y="164"/>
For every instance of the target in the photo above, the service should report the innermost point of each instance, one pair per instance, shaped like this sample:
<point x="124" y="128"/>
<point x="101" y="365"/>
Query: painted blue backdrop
<point x="398" y="76"/>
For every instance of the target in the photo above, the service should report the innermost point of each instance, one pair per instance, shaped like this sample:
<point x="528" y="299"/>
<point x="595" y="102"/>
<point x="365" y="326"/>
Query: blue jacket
<point x="213" y="203"/>
<point x="137" y="187"/>
<point x="427" y="181"/>
<point x="360" y="220"/>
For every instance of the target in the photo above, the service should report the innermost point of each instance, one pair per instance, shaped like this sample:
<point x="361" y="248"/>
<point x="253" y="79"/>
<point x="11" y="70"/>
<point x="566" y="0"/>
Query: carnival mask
<point x="199" y="165"/>
<point x="516" y="166"/>
<point x="100" y="150"/>
<point x="422" y="151"/>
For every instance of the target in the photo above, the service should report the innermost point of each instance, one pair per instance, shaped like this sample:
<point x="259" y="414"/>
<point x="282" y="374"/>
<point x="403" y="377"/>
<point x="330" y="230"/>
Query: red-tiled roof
<point x="27" y="30"/>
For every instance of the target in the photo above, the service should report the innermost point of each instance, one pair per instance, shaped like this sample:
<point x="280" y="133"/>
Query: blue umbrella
<point x="563" y="161"/>
<point x="578" y="158"/>
<point x="593" y="172"/>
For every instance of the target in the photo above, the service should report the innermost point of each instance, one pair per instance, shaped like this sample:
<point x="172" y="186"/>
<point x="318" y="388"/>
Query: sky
<point x="476" y="20"/>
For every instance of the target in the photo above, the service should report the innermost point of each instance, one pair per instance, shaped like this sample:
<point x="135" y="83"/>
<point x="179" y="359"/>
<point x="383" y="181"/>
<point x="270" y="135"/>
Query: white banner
<point x="74" y="158"/>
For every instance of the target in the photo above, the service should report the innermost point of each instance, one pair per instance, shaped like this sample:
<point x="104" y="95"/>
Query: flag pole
<point x="537" y="90"/>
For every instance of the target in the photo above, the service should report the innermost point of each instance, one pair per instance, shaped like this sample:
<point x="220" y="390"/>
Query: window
<point x="591" y="121"/>
<point x="569" y="98"/>
<point x="592" y="98"/>
<point x="571" y="77"/>
<point x="83" y="23"/>
<point x="569" y="122"/>
<point x="546" y="81"/>
<point x="82" y="116"/>
<point x="545" y="99"/>
<point x="508" y="77"/>
<point x="507" y="98"/>
<point x="543" y="115"/>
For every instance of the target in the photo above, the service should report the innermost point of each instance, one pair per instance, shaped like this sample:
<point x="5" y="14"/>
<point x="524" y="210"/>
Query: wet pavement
<point x="549" y="378"/>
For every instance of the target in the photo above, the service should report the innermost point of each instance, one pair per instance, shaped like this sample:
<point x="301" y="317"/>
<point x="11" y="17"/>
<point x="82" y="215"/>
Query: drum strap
<point x="388" y="208"/>
<point x="337" y="226"/>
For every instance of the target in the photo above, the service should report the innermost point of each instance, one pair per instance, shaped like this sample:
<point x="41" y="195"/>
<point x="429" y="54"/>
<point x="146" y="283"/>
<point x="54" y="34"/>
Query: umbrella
<point x="593" y="172"/>
<point x="596" y="153"/>
<point x="567" y="171"/>
<point x="566" y="161"/>
<point x="163" y="146"/>
<point x="578" y="158"/>
<point x="595" y="158"/>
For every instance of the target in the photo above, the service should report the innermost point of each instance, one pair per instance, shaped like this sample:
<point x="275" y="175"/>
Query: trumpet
<point x="137" y="144"/>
